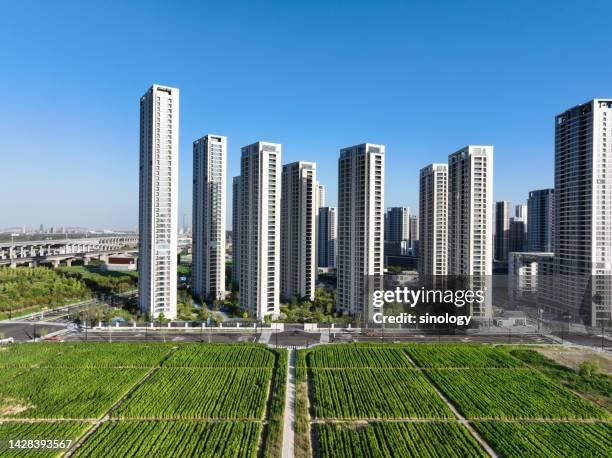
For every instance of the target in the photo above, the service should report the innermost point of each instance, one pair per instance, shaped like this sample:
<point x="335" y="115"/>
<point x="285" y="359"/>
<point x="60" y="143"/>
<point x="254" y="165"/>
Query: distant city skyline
<point x="69" y="141"/>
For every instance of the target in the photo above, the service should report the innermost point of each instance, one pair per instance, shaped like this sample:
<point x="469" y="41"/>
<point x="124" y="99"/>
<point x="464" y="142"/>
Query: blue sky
<point x="423" y="78"/>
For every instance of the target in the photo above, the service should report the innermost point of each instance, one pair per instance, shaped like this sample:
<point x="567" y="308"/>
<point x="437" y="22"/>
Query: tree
<point x="588" y="368"/>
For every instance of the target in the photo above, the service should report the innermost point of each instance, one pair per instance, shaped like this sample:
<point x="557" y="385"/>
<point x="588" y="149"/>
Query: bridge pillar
<point x="85" y="261"/>
<point x="13" y="265"/>
<point x="56" y="263"/>
<point x="32" y="264"/>
<point x="68" y="262"/>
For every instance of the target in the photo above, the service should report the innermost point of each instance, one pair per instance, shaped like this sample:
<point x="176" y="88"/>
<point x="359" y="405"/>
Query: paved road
<point x="21" y="331"/>
<point x="23" y="328"/>
<point x="289" y="421"/>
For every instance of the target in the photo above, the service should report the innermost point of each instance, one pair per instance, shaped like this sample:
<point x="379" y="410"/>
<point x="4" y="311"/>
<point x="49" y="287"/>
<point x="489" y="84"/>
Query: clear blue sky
<point x="424" y="79"/>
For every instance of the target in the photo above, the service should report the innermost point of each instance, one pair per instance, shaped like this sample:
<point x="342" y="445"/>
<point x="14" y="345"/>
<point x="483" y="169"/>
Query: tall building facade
<point x="236" y="230"/>
<point x="328" y="233"/>
<point x="517" y="236"/>
<point x="583" y="205"/>
<point x="158" y="203"/>
<point x="433" y="204"/>
<point x="299" y="211"/>
<point x="521" y="211"/>
<point x="208" y="237"/>
<point x="470" y="220"/>
<point x="541" y="214"/>
<point x="361" y="181"/>
<point x="260" y="204"/>
<point x="502" y="230"/>
<point x="414" y="235"/>
<point x="397" y="224"/>
<point x="320" y="195"/>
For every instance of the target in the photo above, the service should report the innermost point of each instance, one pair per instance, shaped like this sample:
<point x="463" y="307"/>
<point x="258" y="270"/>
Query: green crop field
<point x="65" y="392"/>
<point x="28" y="354"/>
<point x="173" y="439"/>
<point x="418" y="440"/>
<point x="355" y="357"/>
<point x="548" y="440"/>
<point x="219" y="355"/>
<point x="460" y="355"/>
<point x="511" y="394"/>
<point x="83" y="355"/>
<point x="352" y="400"/>
<point x="348" y="384"/>
<point x="200" y="393"/>
<point x="374" y="393"/>
<point x="61" y="431"/>
<point x="241" y="387"/>
<point x="124" y="355"/>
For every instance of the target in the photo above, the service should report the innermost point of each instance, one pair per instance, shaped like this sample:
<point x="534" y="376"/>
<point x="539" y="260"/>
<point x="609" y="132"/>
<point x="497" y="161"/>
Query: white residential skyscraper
<point x="158" y="203"/>
<point x="327" y="237"/>
<point x="470" y="219"/>
<point x="298" y="230"/>
<point x="260" y="203"/>
<point x="583" y="209"/>
<point x="361" y="181"/>
<point x="320" y="195"/>
<point x="433" y="188"/>
<point x="236" y="230"/>
<point x="208" y="234"/>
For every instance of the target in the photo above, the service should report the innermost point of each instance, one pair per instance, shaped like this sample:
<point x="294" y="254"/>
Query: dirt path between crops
<point x="457" y="414"/>
<point x="289" y="420"/>
<point x="116" y="405"/>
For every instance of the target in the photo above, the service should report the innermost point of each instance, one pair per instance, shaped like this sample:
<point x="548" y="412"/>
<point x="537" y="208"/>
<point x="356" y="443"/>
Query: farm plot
<point x="374" y="393"/>
<point x="548" y="440"/>
<point x="80" y="354"/>
<point x="460" y="355"/>
<point x="511" y="394"/>
<point x="65" y="392"/>
<point x="7" y="374"/>
<point x="109" y="355"/>
<point x="60" y="431"/>
<point x="29" y="354"/>
<point x="344" y="356"/>
<point x="173" y="439"/>
<point x="200" y="393"/>
<point x="396" y="439"/>
<point x="215" y="355"/>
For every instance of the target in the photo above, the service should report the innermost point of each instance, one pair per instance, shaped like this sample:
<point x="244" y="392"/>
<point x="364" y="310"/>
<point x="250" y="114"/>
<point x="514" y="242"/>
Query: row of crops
<point x="460" y="356"/>
<point x="220" y="355"/>
<point x="200" y="394"/>
<point x="374" y="393"/>
<point x="173" y="439"/>
<point x="333" y="356"/>
<point x="418" y="440"/>
<point x="60" y="431"/>
<point x="511" y="394"/>
<point x="548" y="439"/>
